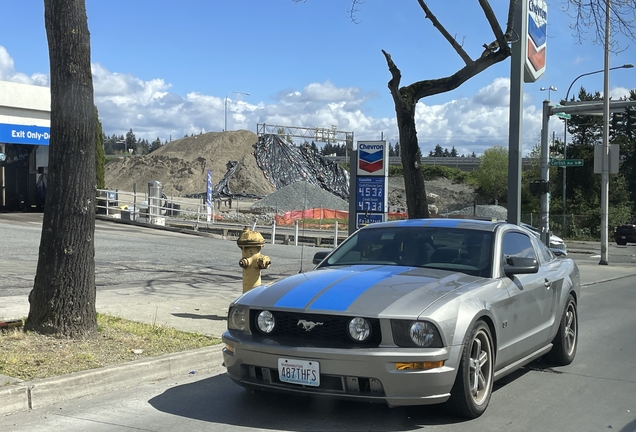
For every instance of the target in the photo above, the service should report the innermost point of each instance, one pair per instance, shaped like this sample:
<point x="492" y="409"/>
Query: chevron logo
<point x="371" y="158"/>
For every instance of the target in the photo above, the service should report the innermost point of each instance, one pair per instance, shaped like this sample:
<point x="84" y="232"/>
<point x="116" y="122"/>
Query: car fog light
<point x="359" y="329"/>
<point x="266" y="322"/>
<point x="422" y="333"/>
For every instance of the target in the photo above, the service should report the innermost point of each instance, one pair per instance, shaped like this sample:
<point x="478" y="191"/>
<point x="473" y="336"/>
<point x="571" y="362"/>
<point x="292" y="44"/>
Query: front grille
<point x="330" y="331"/>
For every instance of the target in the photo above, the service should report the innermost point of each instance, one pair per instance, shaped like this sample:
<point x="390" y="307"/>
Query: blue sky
<point x="164" y="68"/>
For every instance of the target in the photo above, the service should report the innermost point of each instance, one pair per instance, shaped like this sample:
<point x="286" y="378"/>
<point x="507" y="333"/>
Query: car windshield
<point x="461" y="250"/>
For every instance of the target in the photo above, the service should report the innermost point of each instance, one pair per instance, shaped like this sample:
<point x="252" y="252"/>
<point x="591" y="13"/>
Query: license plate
<point x="303" y="372"/>
<point x="623" y="237"/>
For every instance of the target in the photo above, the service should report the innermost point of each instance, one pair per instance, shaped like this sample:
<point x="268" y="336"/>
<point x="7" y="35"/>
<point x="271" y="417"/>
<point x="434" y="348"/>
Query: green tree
<point x="453" y="152"/>
<point x="131" y="141"/>
<point x="155" y="145"/>
<point x="62" y="300"/>
<point x="492" y="175"/>
<point x="439" y="151"/>
<point x="100" y="158"/>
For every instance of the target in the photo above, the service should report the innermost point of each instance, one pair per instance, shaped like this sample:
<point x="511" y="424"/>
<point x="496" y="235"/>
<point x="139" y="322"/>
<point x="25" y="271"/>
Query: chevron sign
<point x="372" y="158"/>
<point x="537" y="39"/>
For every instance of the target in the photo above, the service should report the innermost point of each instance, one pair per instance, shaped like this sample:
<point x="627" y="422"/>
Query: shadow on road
<point x="218" y="400"/>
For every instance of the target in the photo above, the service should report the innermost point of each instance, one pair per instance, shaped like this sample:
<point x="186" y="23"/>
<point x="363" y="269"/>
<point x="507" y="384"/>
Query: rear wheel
<point x="567" y="338"/>
<point x="473" y="386"/>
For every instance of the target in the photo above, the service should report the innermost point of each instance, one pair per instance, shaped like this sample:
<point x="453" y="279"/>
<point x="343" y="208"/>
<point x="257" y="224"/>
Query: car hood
<point x="382" y="291"/>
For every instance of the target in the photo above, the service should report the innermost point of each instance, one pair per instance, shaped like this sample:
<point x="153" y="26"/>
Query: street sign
<point x="561" y="114"/>
<point x="566" y="162"/>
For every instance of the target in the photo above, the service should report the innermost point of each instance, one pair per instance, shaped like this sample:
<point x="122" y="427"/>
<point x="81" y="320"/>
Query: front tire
<point x="566" y="340"/>
<point x="473" y="385"/>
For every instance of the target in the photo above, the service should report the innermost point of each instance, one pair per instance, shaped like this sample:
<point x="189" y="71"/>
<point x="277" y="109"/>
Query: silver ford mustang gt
<point x="420" y="311"/>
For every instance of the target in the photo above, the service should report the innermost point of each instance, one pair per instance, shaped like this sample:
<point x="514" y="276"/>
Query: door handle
<point x="547" y="284"/>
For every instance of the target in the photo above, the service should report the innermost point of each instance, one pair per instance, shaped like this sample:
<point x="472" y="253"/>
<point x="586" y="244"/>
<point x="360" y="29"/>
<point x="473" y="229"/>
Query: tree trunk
<point x="414" y="189"/>
<point x="63" y="296"/>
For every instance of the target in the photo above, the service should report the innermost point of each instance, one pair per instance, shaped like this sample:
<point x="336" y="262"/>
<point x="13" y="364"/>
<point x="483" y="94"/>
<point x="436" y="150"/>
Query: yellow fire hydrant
<point x="252" y="262"/>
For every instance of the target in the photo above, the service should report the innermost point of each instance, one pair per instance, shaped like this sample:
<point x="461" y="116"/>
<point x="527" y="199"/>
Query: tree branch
<point x="396" y="77"/>
<point x="457" y="47"/>
<point x="422" y="89"/>
<point x="494" y="25"/>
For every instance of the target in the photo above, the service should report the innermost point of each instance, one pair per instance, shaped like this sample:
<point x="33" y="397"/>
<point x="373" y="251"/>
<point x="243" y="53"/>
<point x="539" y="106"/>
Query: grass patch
<point x="29" y="355"/>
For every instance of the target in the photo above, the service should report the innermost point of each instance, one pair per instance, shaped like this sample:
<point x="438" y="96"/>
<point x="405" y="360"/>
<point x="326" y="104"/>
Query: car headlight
<point x="359" y="329"/>
<point x="421" y="334"/>
<point x="238" y="318"/>
<point x="265" y="321"/>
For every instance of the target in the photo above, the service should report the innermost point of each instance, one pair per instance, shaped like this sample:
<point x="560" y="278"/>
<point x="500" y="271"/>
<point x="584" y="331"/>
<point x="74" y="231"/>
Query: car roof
<point x="474" y="224"/>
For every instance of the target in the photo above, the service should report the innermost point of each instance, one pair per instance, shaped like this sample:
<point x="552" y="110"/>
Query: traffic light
<point x="539" y="187"/>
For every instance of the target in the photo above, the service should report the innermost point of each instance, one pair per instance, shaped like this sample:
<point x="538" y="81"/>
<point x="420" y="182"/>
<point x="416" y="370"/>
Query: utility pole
<point x="605" y="152"/>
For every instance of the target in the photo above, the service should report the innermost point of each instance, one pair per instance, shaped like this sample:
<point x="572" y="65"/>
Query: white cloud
<point x="8" y="73"/>
<point x="152" y="110"/>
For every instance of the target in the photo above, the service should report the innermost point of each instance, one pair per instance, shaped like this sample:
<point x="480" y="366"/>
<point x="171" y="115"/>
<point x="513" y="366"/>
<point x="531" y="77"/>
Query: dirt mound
<point x="182" y="165"/>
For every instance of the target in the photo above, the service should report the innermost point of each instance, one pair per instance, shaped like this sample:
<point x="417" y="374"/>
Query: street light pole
<point x="565" y="129"/>
<point x="226" y="96"/>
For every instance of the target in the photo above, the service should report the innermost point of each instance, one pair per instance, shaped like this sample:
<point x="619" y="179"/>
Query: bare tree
<point x="589" y="16"/>
<point x="406" y="98"/>
<point x="62" y="301"/>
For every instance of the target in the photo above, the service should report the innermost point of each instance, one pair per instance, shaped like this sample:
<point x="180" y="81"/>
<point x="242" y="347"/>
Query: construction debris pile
<point x="283" y="164"/>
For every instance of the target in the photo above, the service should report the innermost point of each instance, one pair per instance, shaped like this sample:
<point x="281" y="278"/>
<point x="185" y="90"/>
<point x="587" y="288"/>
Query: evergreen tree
<point x="438" y="152"/>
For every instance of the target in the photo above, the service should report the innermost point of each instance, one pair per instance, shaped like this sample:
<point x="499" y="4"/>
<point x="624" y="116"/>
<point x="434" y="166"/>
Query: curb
<point x="28" y="395"/>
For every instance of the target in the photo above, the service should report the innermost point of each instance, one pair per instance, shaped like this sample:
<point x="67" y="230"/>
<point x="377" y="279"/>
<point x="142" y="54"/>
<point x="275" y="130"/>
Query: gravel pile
<point x="482" y="211"/>
<point x="300" y="196"/>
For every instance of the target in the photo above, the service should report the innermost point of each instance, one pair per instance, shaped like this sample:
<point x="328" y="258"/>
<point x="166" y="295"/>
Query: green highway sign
<point x="566" y="162"/>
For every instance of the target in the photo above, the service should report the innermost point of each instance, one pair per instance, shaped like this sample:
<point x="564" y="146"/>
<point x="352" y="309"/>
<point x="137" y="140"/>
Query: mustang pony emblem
<point x="308" y="325"/>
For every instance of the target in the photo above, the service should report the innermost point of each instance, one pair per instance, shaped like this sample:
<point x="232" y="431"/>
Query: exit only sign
<point x="566" y="162"/>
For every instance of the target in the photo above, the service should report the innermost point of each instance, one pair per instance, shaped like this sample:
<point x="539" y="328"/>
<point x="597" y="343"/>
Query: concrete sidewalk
<point x="179" y="306"/>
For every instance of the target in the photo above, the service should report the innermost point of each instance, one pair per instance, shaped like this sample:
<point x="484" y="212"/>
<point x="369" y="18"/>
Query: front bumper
<point x="367" y="374"/>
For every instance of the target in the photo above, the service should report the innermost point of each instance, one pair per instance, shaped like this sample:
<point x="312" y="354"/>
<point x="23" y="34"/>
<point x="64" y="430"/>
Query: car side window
<point x="518" y="245"/>
<point x="545" y="253"/>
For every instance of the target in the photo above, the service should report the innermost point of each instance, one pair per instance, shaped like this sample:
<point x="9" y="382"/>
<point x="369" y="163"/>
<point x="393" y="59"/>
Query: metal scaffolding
<point x="326" y="135"/>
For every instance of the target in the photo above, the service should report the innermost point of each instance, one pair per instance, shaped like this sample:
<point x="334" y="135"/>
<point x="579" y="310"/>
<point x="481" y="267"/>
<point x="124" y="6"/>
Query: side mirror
<point x="518" y="265"/>
<point x="320" y="256"/>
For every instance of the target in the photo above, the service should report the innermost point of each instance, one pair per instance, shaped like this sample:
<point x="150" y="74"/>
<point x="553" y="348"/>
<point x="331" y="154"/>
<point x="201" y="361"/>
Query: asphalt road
<point x="597" y="392"/>
<point x="127" y="255"/>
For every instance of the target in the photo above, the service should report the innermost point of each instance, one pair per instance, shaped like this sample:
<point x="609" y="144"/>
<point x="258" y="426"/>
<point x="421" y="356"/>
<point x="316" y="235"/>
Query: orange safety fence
<point x="289" y="217"/>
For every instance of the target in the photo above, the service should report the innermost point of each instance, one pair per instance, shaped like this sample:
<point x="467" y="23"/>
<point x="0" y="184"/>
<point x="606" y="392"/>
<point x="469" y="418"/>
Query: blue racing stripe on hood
<point x="340" y="296"/>
<point x="302" y="294"/>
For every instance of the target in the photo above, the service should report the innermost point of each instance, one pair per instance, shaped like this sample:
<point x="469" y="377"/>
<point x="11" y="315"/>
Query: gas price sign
<point x="370" y="194"/>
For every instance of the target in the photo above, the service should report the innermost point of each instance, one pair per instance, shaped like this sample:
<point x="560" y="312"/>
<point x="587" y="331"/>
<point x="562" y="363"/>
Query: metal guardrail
<point x="192" y="214"/>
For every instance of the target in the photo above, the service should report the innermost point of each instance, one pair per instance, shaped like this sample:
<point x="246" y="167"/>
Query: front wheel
<point x="473" y="386"/>
<point x="566" y="340"/>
